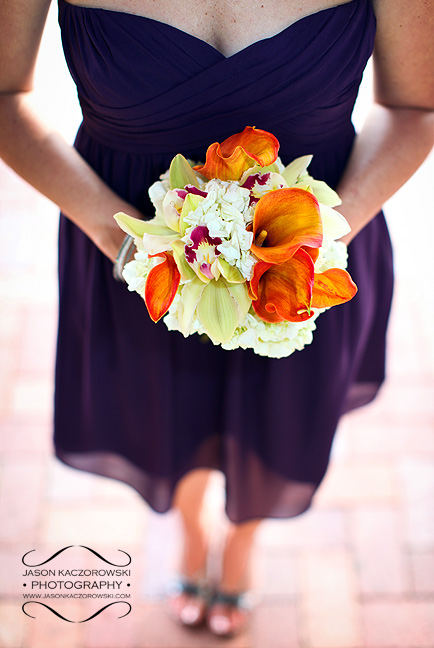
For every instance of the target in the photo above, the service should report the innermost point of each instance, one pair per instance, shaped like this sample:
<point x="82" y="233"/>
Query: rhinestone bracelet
<point x="124" y="255"/>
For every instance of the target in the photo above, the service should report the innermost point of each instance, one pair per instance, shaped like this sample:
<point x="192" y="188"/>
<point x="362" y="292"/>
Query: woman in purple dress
<point x="146" y="406"/>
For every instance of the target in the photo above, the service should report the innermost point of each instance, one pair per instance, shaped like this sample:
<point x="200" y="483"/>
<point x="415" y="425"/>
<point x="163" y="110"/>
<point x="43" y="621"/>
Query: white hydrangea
<point x="333" y="254"/>
<point x="225" y="211"/>
<point x="136" y="272"/>
<point x="272" y="340"/>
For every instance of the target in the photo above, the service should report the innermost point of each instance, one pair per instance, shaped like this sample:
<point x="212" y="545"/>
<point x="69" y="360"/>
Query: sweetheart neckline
<point x="204" y="42"/>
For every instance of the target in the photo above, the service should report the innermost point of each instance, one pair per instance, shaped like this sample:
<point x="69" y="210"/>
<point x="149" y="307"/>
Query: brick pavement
<point x="356" y="571"/>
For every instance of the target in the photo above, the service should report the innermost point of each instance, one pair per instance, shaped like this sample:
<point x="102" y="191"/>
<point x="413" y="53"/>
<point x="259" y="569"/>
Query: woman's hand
<point x="34" y="150"/>
<point x="399" y="131"/>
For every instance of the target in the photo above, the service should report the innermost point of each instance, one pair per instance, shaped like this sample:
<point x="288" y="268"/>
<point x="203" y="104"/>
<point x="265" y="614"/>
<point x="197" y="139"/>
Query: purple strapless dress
<point x="144" y="405"/>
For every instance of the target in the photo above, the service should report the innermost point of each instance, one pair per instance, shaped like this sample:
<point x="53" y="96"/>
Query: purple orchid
<point x="202" y="253"/>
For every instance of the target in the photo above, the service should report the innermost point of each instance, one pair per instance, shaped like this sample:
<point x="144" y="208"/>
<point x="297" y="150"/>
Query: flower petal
<point x="297" y="166"/>
<point x="230" y="272"/>
<point x="241" y="295"/>
<point x="236" y="154"/>
<point x="157" y="193"/>
<point x="334" y="224"/>
<point x="332" y="287"/>
<point x="181" y="173"/>
<point x="261" y="145"/>
<point x="157" y="244"/>
<point x="284" y="291"/>
<point x="261" y="183"/>
<point x="253" y="285"/>
<point x="136" y="227"/>
<point x="172" y="205"/>
<point x="191" y="203"/>
<point x="323" y="193"/>
<point x="270" y="168"/>
<point x="289" y="218"/>
<point x="312" y="252"/>
<point x="184" y="267"/>
<point x="218" y="311"/>
<point x="191" y="294"/>
<point x="161" y="286"/>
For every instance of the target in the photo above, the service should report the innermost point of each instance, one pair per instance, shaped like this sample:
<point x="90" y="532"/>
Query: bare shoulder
<point x="404" y="52"/>
<point x="21" y="26"/>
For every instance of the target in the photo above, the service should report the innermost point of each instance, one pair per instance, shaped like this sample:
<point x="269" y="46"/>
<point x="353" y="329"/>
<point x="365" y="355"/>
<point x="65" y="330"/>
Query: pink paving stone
<point x="382" y="565"/>
<point x="413" y="364"/>
<point x="162" y="543"/>
<point x="412" y="305"/>
<point x="25" y="437"/>
<point x="422" y="568"/>
<point x="315" y="527"/>
<point x="413" y="398"/>
<point x="66" y="484"/>
<point x="155" y="630"/>
<point x="389" y="419"/>
<point x="417" y="479"/>
<point x="47" y="630"/>
<point x="404" y="402"/>
<point x="92" y="525"/>
<point x="384" y="440"/>
<point x="276" y="575"/>
<point x="12" y="570"/>
<point x="38" y="340"/>
<point x="365" y="417"/>
<point x="6" y="376"/>
<point x="420" y="527"/>
<point x="407" y="356"/>
<point x="341" y="448"/>
<point x="11" y="624"/>
<point x="400" y="624"/>
<point x="275" y="626"/>
<point x="21" y="500"/>
<point x="329" y="610"/>
<point x="108" y="630"/>
<point x="111" y="490"/>
<point x="32" y="397"/>
<point x="358" y="481"/>
<point x="32" y="289"/>
<point x="9" y="321"/>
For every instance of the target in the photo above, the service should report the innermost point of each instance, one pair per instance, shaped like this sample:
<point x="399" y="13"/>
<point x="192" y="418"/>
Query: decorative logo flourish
<point x="69" y="620"/>
<point x="69" y="547"/>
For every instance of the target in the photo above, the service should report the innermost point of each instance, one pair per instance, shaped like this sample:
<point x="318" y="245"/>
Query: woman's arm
<point x="399" y="131"/>
<point x="33" y="149"/>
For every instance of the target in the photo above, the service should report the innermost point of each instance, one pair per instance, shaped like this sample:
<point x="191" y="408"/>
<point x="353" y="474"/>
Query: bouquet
<point x="241" y="248"/>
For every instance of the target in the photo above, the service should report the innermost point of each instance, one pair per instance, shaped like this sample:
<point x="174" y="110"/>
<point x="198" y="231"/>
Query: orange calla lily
<point x="284" y="221"/>
<point x="332" y="287"/>
<point x="230" y="159"/>
<point x="161" y="286"/>
<point x="312" y="252"/>
<point x="283" y="292"/>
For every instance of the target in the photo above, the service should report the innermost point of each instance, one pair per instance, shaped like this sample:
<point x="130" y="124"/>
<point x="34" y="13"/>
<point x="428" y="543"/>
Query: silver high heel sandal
<point x="229" y="614"/>
<point x="187" y="601"/>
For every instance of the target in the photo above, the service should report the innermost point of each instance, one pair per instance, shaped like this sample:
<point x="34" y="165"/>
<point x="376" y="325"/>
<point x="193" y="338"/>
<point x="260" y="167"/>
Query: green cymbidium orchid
<point x="220" y="306"/>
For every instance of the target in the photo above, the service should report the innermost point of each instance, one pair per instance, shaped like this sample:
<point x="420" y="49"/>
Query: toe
<point x="225" y="620"/>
